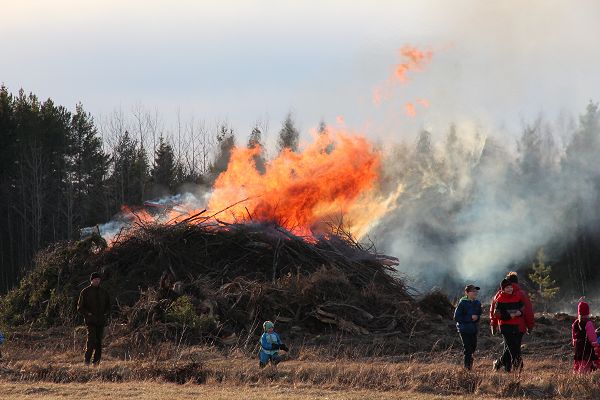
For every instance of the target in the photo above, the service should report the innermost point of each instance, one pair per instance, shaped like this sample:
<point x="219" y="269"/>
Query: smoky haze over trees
<point x="470" y="206"/>
<point x="473" y="208"/>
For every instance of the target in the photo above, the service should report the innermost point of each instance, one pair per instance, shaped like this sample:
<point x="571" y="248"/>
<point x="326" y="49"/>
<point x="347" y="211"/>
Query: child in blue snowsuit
<point x="270" y="344"/>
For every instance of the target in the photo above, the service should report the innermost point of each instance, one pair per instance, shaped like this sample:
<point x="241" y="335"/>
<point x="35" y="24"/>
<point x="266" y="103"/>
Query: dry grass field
<point x="48" y="365"/>
<point x="62" y="376"/>
<point x="156" y="391"/>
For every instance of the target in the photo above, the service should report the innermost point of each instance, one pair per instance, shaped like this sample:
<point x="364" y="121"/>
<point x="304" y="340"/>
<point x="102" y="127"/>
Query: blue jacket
<point x="267" y="340"/>
<point x="462" y="315"/>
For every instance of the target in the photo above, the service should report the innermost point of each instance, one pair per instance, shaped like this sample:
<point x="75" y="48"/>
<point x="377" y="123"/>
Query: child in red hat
<point x="585" y="340"/>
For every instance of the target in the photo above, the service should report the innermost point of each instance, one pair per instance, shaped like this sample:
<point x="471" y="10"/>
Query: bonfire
<point x="267" y="246"/>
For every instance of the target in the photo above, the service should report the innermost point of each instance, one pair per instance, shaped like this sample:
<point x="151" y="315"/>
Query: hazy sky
<point x="494" y="62"/>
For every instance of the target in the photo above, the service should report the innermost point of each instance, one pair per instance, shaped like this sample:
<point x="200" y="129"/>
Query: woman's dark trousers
<point x="511" y="357"/>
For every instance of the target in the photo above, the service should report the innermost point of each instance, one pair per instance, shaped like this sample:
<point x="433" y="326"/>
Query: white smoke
<point x="161" y="210"/>
<point x="474" y="208"/>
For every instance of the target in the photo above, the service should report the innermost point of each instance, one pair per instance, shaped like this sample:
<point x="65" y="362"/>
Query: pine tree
<point x="538" y="154"/>
<point x="322" y="129"/>
<point x="541" y="277"/>
<point x="140" y="176"/>
<point x="424" y="151"/>
<point x="255" y="138"/>
<point x="165" y="170"/>
<point x="254" y="141"/>
<point x="586" y="140"/>
<point x="288" y="135"/>
<point x="86" y="166"/>
<point x="225" y="143"/>
<point x="129" y="172"/>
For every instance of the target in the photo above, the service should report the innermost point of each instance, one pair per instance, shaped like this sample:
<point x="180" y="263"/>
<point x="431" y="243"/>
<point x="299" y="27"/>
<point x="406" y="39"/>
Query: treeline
<point x="61" y="171"/>
<point x="469" y="204"/>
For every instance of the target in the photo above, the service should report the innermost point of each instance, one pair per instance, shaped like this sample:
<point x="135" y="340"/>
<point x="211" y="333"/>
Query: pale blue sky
<point x="494" y="62"/>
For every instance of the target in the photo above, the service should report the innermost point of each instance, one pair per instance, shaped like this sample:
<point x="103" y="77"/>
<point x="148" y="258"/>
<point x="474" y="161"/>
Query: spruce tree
<point x="87" y="166"/>
<point x="254" y="141"/>
<point x="546" y="288"/>
<point x="129" y="172"/>
<point x="288" y="135"/>
<point x="164" y="172"/>
<point x="322" y="129"/>
<point x="225" y="143"/>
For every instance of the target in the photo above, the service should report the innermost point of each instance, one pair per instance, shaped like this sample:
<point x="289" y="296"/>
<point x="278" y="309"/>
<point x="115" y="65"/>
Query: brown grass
<point x="51" y="361"/>
<point x="158" y="391"/>
<point x="440" y="377"/>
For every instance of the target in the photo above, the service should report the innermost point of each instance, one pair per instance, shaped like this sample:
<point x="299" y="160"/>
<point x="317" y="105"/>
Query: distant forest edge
<point x="60" y="171"/>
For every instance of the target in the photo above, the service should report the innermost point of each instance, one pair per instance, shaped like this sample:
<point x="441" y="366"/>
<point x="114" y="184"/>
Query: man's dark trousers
<point x="469" y="341"/>
<point x="94" y="343"/>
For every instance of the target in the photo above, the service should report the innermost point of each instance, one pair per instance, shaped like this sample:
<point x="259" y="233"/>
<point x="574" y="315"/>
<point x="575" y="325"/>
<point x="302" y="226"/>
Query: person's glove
<point x="284" y="347"/>
<point x="275" y="346"/>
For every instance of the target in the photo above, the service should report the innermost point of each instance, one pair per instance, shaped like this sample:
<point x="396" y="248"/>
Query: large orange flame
<point x="300" y="191"/>
<point x="333" y="183"/>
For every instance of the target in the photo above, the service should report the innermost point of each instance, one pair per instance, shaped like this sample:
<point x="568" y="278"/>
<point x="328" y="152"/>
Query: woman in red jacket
<point x="507" y="315"/>
<point x="527" y="311"/>
<point x="585" y="340"/>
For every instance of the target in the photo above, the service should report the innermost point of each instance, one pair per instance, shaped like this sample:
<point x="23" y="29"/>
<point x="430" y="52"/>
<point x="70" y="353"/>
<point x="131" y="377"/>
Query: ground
<point x="153" y="390"/>
<point x="48" y="365"/>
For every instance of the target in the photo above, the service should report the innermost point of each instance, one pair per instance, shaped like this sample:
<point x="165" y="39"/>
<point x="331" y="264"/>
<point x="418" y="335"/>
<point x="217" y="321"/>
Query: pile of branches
<point x="219" y="281"/>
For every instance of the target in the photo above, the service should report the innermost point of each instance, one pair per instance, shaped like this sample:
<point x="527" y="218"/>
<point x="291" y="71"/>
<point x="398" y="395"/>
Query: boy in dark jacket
<point x="467" y="315"/>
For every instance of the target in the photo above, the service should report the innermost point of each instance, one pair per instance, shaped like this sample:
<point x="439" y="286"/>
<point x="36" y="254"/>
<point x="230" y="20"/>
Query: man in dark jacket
<point x="467" y="315"/>
<point x="94" y="305"/>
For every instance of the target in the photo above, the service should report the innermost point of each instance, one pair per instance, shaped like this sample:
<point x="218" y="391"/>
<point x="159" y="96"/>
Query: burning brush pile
<point x="220" y="275"/>
<point x="217" y="281"/>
